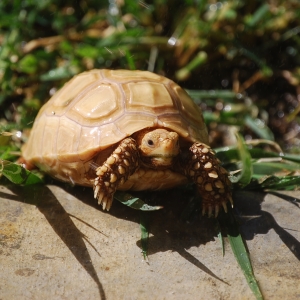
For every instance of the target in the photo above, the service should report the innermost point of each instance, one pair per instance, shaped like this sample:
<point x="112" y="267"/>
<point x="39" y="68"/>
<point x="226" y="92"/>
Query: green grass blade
<point x="145" y="222"/>
<point x="258" y="15"/>
<point x="264" y="168"/>
<point x="130" y="60"/>
<point x="291" y="157"/>
<point x="260" y="128"/>
<point x="246" y="164"/>
<point x="134" y="202"/>
<point x="281" y="183"/>
<point x="242" y="256"/>
<point x="200" y="96"/>
<point x="57" y="73"/>
<point x="220" y="237"/>
<point x="230" y="153"/>
<point x="228" y="223"/>
<point x="9" y="153"/>
<point x="17" y="174"/>
<point x="185" y="72"/>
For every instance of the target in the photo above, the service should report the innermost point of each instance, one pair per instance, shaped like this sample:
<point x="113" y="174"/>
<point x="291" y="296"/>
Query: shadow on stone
<point x="292" y="200"/>
<point x="168" y="231"/>
<point x="256" y="221"/>
<point x="62" y="224"/>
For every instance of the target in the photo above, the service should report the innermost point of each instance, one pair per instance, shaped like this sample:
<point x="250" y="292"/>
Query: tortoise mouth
<point x="158" y="161"/>
<point x="162" y="156"/>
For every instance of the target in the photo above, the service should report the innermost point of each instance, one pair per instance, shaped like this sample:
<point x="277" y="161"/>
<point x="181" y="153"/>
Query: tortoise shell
<point x="97" y="109"/>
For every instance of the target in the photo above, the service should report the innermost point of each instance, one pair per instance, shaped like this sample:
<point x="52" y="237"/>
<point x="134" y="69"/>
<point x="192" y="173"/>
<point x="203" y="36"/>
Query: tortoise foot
<point x="122" y="163"/>
<point x="212" y="181"/>
<point x="214" y="210"/>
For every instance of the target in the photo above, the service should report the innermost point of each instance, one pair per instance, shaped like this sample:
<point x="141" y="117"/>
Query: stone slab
<point x="56" y="243"/>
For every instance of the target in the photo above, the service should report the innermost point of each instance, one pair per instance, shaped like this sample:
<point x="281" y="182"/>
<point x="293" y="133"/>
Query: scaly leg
<point x="204" y="168"/>
<point x="122" y="163"/>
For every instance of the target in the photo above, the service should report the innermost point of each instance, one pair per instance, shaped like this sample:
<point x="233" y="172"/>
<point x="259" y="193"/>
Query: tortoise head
<point x="158" y="147"/>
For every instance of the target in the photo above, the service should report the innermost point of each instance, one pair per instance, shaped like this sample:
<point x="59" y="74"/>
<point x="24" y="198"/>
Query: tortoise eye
<point x="150" y="143"/>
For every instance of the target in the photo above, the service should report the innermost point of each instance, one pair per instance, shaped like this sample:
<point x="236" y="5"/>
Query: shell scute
<point x="66" y="146"/>
<point x="191" y="111"/>
<point x="91" y="108"/>
<point x="89" y="139"/>
<point x="178" y="125"/>
<point x="48" y="137"/>
<point x="129" y="76"/>
<point x="66" y="96"/>
<point x="133" y="122"/>
<point x="149" y="97"/>
<point x="109" y="133"/>
<point x="101" y="104"/>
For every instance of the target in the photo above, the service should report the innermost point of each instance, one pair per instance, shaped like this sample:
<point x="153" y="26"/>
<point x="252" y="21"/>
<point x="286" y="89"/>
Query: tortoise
<point x="126" y="130"/>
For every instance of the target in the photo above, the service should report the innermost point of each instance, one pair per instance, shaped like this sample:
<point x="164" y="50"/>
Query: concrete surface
<point x="55" y="243"/>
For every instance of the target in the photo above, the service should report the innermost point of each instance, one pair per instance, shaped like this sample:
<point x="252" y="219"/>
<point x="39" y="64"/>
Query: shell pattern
<point x="97" y="109"/>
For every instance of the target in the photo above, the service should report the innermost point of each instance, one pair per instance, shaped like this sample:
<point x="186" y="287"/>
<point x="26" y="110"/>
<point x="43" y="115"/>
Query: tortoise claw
<point x="104" y="202"/>
<point x="96" y="191"/>
<point x="210" y="211"/>
<point x="100" y="197"/>
<point x="109" y="203"/>
<point x="217" y="209"/>
<point x="224" y="204"/>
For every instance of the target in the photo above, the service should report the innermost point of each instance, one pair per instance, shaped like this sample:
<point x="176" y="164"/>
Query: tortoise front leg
<point x="204" y="168"/>
<point x="122" y="163"/>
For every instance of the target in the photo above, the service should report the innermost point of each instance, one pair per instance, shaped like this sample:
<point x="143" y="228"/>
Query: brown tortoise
<point x="126" y="130"/>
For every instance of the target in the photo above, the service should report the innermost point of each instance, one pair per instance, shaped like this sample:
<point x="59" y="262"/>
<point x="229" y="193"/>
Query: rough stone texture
<point x="55" y="243"/>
